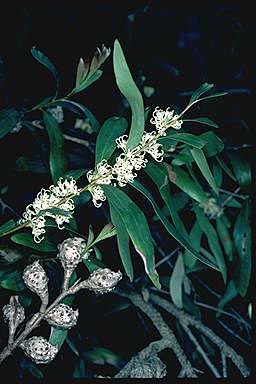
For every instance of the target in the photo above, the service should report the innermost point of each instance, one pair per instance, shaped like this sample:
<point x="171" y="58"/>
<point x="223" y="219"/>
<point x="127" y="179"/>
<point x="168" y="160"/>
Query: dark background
<point x="176" y="46"/>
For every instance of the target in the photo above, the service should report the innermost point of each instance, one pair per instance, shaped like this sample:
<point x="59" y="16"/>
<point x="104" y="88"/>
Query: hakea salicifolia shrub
<point x="121" y="173"/>
<point x="58" y="315"/>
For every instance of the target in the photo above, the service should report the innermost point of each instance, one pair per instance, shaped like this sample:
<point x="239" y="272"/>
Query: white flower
<point x="102" y="175"/>
<point x="165" y="119"/>
<point x="150" y="145"/>
<point x="97" y="195"/>
<point x="51" y="198"/>
<point x="123" y="170"/>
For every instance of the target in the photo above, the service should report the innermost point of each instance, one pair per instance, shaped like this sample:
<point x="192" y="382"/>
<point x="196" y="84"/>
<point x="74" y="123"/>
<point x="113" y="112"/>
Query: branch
<point x="187" y="320"/>
<point x="168" y="339"/>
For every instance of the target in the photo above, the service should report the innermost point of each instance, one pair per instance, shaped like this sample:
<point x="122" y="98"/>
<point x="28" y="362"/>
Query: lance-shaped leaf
<point x="176" y="282"/>
<point x="242" y="240"/>
<point x="213" y="240"/>
<point x="131" y="92"/>
<point x="202" y="163"/>
<point x="57" y="160"/>
<point x="169" y="227"/>
<point x="39" y="56"/>
<point x="137" y="226"/>
<point x="106" y="140"/>
<point x="122" y="241"/>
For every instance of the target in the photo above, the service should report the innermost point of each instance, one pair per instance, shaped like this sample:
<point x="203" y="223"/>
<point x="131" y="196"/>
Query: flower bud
<point x="103" y="280"/>
<point x="70" y="255"/>
<point x="39" y="350"/>
<point x="62" y="316"/>
<point x="70" y="252"/>
<point x="14" y="315"/>
<point x="36" y="280"/>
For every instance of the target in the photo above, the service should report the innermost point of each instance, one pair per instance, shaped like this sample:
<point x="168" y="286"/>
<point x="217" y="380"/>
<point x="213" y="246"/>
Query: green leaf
<point x="137" y="227"/>
<point x="160" y="179"/>
<point x="122" y="241"/>
<point x="10" y="224"/>
<point x="26" y="239"/>
<point x="39" y="56"/>
<point x="230" y="294"/>
<point x="195" y="237"/>
<point x="176" y="282"/>
<point x="13" y="281"/>
<point x="205" y="87"/>
<point x="179" y="177"/>
<point x="225" y="237"/>
<point x="213" y="144"/>
<point x="242" y="170"/>
<point x="217" y="174"/>
<point x="202" y="163"/>
<point x="168" y="226"/>
<point x="57" y="161"/>
<point x="87" y="82"/>
<point x="242" y="240"/>
<point x="105" y="233"/>
<point x="213" y="240"/>
<point x="103" y="356"/>
<point x="131" y="92"/>
<point x="80" y="109"/>
<point x="72" y="345"/>
<point x="57" y="337"/>
<point x="106" y="140"/>
<point x="75" y="173"/>
<point x="203" y="120"/>
<point x="186" y="138"/>
<point x="8" y="119"/>
<point x="225" y="168"/>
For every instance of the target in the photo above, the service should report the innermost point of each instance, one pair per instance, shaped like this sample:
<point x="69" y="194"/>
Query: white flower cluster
<point x="102" y="175"/>
<point x="131" y="160"/>
<point x="211" y="208"/>
<point x="165" y="119"/>
<point x="57" y="196"/>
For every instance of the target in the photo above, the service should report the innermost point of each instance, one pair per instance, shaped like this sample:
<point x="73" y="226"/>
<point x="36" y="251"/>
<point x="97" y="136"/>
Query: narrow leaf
<point x="202" y="163"/>
<point x="122" y="241"/>
<point x="57" y="161"/>
<point x="176" y="282"/>
<point x="39" y="56"/>
<point x="213" y="240"/>
<point x="203" y="120"/>
<point x="242" y="240"/>
<point x="26" y="239"/>
<point x="242" y="170"/>
<point x="106" y="140"/>
<point x="205" y="87"/>
<point x="186" y="138"/>
<point x="195" y="237"/>
<point x="131" y="92"/>
<point x="80" y="109"/>
<point x="168" y="226"/>
<point x="137" y="227"/>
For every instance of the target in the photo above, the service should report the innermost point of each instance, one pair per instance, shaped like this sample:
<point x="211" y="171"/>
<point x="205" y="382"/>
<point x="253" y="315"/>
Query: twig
<point x="168" y="339"/>
<point x="189" y="320"/>
<point x="229" y="330"/>
<point x="224" y="364"/>
<point x="230" y="197"/>
<point x="201" y="351"/>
